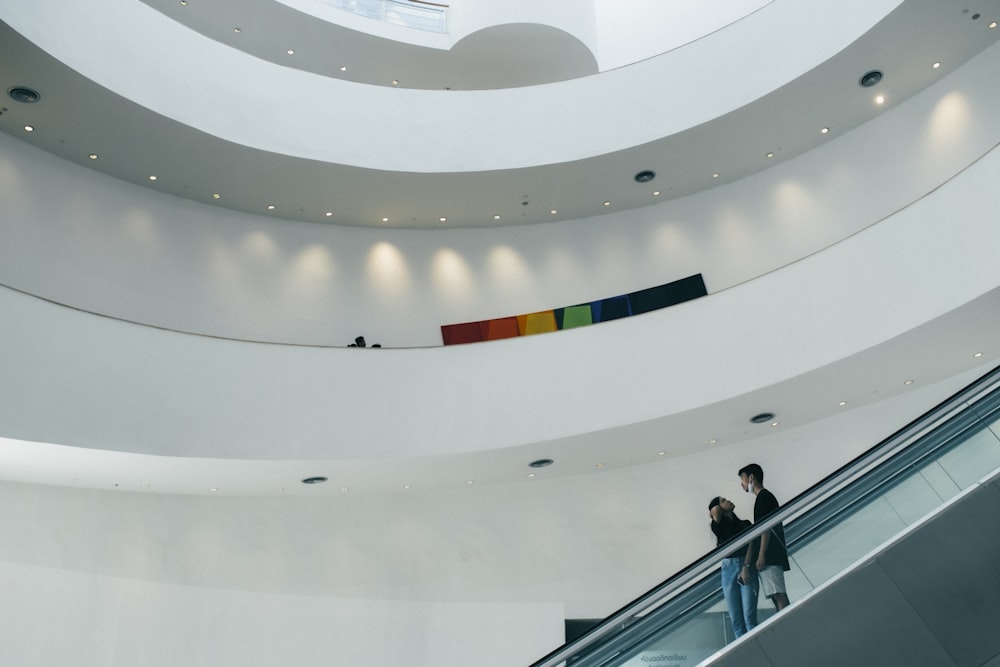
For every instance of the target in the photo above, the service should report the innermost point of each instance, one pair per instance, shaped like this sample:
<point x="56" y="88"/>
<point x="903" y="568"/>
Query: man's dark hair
<point x="753" y="469"/>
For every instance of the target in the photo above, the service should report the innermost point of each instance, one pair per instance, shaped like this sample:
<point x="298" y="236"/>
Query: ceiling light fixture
<point x="908" y="382"/>
<point x="329" y="214"/>
<point x="93" y="156"/>
<point x="496" y="217"/>
<point x="870" y="78"/>
<point x="290" y="52"/>
<point x="936" y="65"/>
<point x="531" y="474"/>
<point x="23" y="95"/>
<point x="879" y="99"/>
<point x="29" y="128"/>
<point x="343" y="68"/>
<point x="607" y="203"/>
<point x="715" y="175"/>
<point x="541" y="463"/>
<point x="271" y="207"/>
<point x="842" y="403"/>
<point x="395" y="82"/>
<point x="661" y="453"/>
<point x="712" y="441"/>
<point x="770" y="154"/>
<point x="978" y="354"/>
<point x="152" y="177"/>
<point x="443" y="219"/>
<point x="656" y="193"/>
<point x="645" y="176"/>
<point x="775" y="423"/>
<point x="216" y="195"/>
<point x="824" y="130"/>
<point x="992" y="25"/>
<point x="762" y="417"/>
<point x="319" y="479"/>
<point x="385" y="219"/>
<point x="553" y="212"/>
<point x="237" y="30"/>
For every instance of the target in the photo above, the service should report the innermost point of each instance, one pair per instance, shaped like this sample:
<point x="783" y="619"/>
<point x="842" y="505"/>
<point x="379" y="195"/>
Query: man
<point x="772" y="557"/>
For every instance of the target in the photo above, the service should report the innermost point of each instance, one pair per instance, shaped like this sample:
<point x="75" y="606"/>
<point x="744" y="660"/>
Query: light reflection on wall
<point x="451" y="276"/>
<point x="260" y="246"/>
<point x="387" y="271"/>
<point x="311" y="272"/>
<point x="670" y="241"/>
<point x="793" y="205"/>
<point x="138" y="227"/>
<point x="507" y="270"/>
<point x="948" y="127"/>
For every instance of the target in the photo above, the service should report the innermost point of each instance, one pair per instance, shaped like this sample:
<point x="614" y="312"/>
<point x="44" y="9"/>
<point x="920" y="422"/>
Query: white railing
<point x="416" y="14"/>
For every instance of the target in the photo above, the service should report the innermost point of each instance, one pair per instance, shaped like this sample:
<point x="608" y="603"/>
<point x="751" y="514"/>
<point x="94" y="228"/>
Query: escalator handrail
<point x="793" y="509"/>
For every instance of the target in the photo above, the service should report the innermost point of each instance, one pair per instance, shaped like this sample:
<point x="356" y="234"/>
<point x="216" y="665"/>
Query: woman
<point x="739" y="578"/>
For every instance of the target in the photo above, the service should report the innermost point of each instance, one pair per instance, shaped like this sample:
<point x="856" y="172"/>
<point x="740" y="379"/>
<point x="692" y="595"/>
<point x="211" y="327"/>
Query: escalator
<point x="895" y="560"/>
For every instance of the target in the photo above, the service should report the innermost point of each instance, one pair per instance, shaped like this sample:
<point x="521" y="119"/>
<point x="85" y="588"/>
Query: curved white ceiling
<point x="215" y="89"/>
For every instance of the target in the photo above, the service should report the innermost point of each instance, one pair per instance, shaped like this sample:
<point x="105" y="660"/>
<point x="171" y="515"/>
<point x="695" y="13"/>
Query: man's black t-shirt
<point x="776" y="553"/>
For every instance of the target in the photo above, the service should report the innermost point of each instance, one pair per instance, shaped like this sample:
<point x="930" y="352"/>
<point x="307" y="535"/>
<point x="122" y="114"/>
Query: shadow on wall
<point x="570" y="317"/>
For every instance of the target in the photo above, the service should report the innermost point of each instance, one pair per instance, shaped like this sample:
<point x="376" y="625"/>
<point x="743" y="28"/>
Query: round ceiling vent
<point x="314" y="480"/>
<point x="24" y="95"/>
<point x="541" y="463"/>
<point x="762" y="417"/>
<point x="869" y="79"/>
<point x="645" y="176"/>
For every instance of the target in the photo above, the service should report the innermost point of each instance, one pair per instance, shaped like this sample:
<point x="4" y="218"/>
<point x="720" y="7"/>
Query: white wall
<point x="483" y="575"/>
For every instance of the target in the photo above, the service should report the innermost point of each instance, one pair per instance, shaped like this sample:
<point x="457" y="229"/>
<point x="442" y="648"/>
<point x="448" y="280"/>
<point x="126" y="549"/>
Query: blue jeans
<point x="741" y="599"/>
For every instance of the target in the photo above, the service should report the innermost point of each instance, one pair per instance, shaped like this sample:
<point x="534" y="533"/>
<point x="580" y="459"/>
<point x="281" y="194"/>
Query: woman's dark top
<point x="727" y="530"/>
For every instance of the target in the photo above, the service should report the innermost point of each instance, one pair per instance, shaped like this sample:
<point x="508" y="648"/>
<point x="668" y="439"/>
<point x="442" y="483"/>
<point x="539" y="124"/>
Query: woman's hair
<point x="715" y="501"/>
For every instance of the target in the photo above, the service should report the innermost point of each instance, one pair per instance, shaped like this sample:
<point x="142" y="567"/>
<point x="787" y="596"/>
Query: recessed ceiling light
<point x="343" y="68"/>
<point x="469" y="481"/>
<point x="842" y="403"/>
<point x="661" y="453"/>
<point x="329" y="214"/>
<point x="607" y="203"/>
<point x="824" y="130"/>
<point x="29" y="128"/>
<point x="395" y="82"/>
<point x="443" y="219"/>
<point x="152" y="177"/>
<point x="216" y="195"/>
<point x="715" y="175"/>
<point x="345" y="488"/>
<point x="712" y="441"/>
<point x="769" y="154"/>
<point x="869" y="79"/>
<point x="978" y="354"/>
<point x="656" y="193"/>
<point x="992" y="25"/>
<point x="531" y="474"/>
<point x="880" y="99"/>
<point x="213" y="489"/>
<point x="407" y="486"/>
<point x="319" y="479"/>
<point x="271" y="207"/>
<point x="237" y="30"/>
<point x="496" y="217"/>
<point x="775" y="423"/>
<point x="553" y="212"/>
<point x="290" y="52"/>
<point x="936" y="65"/>
<point x="184" y="3"/>
<point x="908" y="382"/>
<point x="599" y="465"/>
<point x="385" y="219"/>
<point x="93" y="156"/>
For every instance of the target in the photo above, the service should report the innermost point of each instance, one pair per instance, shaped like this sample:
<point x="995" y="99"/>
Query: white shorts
<point x="772" y="580"/>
